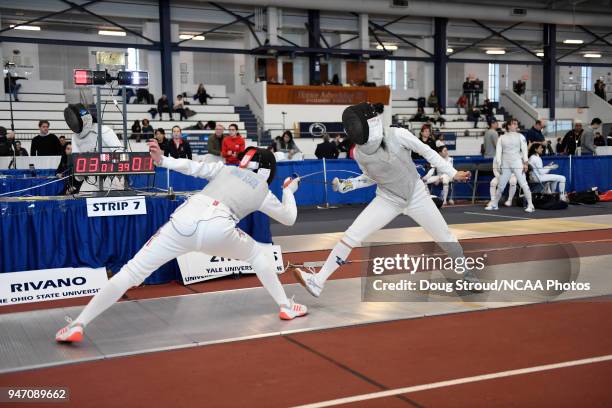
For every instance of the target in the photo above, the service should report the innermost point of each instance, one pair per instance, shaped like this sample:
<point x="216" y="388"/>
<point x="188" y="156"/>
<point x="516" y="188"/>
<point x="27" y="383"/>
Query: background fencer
<point x="495" y="183"/>
<point x="541" y="173"/>
<point x="207" y="222"/>
<point x="511" y="153"/>
<point x="434" y="176"/>
<point x="384" y="156"/>
<point x="85" y="139"/>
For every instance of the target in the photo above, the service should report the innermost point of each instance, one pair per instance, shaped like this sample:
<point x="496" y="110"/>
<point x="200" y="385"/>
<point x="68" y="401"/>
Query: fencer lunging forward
<point x="385" y="159"/>
<point x="207" y="222"/>
<point x="511" y="153"/>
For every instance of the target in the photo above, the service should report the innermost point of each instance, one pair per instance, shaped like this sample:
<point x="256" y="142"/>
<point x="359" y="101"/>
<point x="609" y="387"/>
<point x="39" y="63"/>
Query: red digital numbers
<point x="136" y="163"/>
<point x="124" y="167"/>
<point x="148" y="166"/>
<point x="93" y="164"/>
<point x="81" y="164"/>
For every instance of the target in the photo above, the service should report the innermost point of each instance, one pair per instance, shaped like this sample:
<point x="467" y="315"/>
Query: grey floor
<point x="143" y="326"/>
<point x="317" y="221"/>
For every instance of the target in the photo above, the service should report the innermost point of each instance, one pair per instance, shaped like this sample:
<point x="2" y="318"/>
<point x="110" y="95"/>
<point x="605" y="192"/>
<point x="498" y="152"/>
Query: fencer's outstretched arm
<point x="185" y="166"/>
<point x="410" y="142"/>
<point x="284" y="212"/>
<point x="353" y="183"/>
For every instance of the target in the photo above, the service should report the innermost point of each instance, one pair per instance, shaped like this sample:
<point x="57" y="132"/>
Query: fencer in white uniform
<point x="495" y="182"/>
<point x="434" y="176"/>
<point x="511" y="153"/>
<point x="206" y="222"/>
<point x="85" y="139"/>
<point x="384" y="156"/>
<point x="541" y="174"/>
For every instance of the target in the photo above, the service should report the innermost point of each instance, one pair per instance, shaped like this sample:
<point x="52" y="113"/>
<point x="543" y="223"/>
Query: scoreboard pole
<point x="99" y="117"/>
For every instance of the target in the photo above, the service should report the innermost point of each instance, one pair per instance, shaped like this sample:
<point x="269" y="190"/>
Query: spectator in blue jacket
<point x="534" y="135"/>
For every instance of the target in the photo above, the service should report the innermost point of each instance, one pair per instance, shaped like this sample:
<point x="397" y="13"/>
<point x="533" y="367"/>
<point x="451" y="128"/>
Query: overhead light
<point x="25" y="27"/>
<point x="112" y="33"/>
<point x="573" y="42"/>
<point x="496" y="52"/>
<point x="592" y="55"/>
<point x="539" y="53"/>
<point x="191" y="37"/>
<point x="449" y="50"/>
<point x="388" y="47"/>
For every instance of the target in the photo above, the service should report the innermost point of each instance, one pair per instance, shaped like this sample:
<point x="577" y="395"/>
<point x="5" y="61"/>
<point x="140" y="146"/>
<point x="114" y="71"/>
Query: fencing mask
<point x="261" y="161"/>
<point x="363" y="125"/>
<point x="78" y="118"/>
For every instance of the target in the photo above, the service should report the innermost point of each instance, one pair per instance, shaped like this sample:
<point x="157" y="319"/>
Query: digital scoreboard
<point x="109" y="164"/>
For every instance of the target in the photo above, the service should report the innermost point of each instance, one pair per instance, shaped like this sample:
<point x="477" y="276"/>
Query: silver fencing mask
<point x="77" y="117"/>
<point x="363" y="126"/>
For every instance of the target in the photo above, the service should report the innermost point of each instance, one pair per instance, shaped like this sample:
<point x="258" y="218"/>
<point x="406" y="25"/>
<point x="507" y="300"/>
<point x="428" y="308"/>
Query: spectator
<point x="11" y="86"/>
<point x="147" y="130"/>
<point x="201" y="95"/>
<point x="474" y="116"/>
<point x="287" y="145"/>
<point x="136" y="130"/>
<point x="462" y="103"/>
<point x="163" y="105"/>
<point x="335" y="81"/>
<point x="45" y="144"/>
<point x="571" y="140"/>
<point x="599" y="139"/>
<point x="587" y="139"/>
<point x="65" y="162"/>
<point x="487" y="110"/>
<point x="62" y="140"/>
<point x="541" y="173"/>
<point x="419" y="116"/>
<point x="534" y="135"/>
<point x="490" y="139"/>
<point x="437" y="116"/>
<point x="326" y="149"/>
<point x="232" y="145"/>
<point x="559" y="146"/>
<point x="468" y="91"/>
<point x="548" y="150"/>
<point x="179" y="107"/>
<point x="178" y="147"/>
<point x="600" y="89"/>
<point x="144" y="97"/>
<point x="210" y="125"/>
<point x="425" y="137"/>
<point x="343" y="144"/>
<point x="432" y="100"/>
<point x="160" y="136"/>
<point x="6" y="148"/>
<point x="20" y="151"/>
<point x="440" y="141"/>
<point x="214" y="142"/>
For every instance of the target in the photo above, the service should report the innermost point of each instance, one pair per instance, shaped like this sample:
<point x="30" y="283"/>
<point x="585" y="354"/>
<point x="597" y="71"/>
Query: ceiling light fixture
<point x="573" y="41"/>
<point x="25" y="27"/>
<point x="191" y="37"/>
<point x="496" y="52"/>
<point x="112" y="33"/>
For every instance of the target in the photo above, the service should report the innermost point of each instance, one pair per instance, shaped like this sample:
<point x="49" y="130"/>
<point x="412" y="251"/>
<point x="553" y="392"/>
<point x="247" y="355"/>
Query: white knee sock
<point x="444" y="191"/>
<point x="106" y="297"/>
<point x="336" y="258"/>
<point x="492" y="191"/>
<point x="562" y="187"/>
<point x="269" y="279"/>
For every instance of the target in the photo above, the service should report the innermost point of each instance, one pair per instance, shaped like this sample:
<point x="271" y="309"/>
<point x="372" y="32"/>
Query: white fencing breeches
<point x="509" y="168"/>
<point x="379" y="213"/>
<point x="192" y="227"/>
<point x="495" y="182"/>
<point x="554" y="179"/>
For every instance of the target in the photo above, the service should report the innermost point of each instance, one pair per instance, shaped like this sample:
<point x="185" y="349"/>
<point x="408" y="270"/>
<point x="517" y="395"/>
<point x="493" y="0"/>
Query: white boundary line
<point x="484" y="377"/>
<point x="499" y="216"/>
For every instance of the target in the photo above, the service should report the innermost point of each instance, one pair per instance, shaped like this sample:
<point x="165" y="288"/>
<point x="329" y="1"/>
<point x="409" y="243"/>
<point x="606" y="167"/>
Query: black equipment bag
<point x="584" y="197"/>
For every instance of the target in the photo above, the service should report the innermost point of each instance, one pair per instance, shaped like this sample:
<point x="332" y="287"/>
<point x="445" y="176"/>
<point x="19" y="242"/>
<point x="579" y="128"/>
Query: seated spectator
<point x="425" y="137"/>
<point x="147" y="130"/>
<point x="344" y="145"/>
<point x="287" y="145"/>
<point x="45" y="144"/>
<point x="419" y="116"/>
<point x="600" y="89"/>
<point x="214" y="144"/>
<point x="571" y="140"/>
<point x="129" y="94"/>
<point x="178" y="147"/>
<point x="210" y="125"/>
<point x="462" y="103"/>
<point x="6" y="147"/>
<point x="488" y="110"/>
<point x="440" y="141"/>
<point x="540" y="173"/>
<point x="160" y="136"/>
<point x="20" y="151"/>
<point x="179" y="107"/>
<point x="163" y="105"/>
<point x="71" y="185"/>
<point x="437" y="116"/>
<point x="587" y="139"/>
<point x="473" y="115"/>
<point x="432" y="100"/>
<point x="534" y="135"/>
<point x="435" y="177"/>
<point x="201" y="95"/>
<point x="232" y="145"/>
<point x="136" y="130"/>
<point x="144" y="97"/>
<point x="326" y="149"/>
<point x="198" y="126"/>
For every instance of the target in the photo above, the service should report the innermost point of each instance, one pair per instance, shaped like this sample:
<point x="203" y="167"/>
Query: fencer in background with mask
<point x="206" y="222"/>
<point x="384" y="156"/>
<point x="85" y="138"/>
